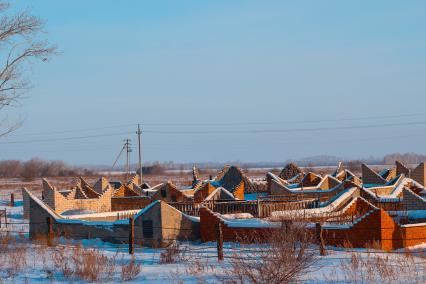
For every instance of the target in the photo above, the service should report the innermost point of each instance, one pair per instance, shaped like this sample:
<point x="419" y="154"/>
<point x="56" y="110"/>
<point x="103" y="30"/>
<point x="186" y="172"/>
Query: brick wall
<point x="376" y="226"/>
<point x="329" y="183"/>
<point x="26" y="205"/>
<point x="310" y="179"/>
<point x="169" y="193"/>
<point x="209" y="222"/>
<point x="360" y="205"/>
<point x="419" y="174"/>
<point x="61" y="203"/>
<point x="371" y="177"/>
<point x="168" y="224"/>
<point x="205" y="190"/>
<point x="412" y="201"/>
<point x="39" y="213"/>
<point x="413" y="235"/>
<point x="100" y="204"/>
<point x="129" y="203"/>
<point x="239" y="191"/>
<point x="278" y="189"/>
<point x="402" y="169"/>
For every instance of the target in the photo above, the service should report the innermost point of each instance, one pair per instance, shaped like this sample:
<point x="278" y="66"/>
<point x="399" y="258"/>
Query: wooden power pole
<point x="128" y="150"/>
<point x="139" y="133"/>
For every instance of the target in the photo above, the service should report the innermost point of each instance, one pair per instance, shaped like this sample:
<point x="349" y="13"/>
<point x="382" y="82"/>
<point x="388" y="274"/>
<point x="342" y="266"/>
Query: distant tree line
<point x="154" y="169"/>
<point x="39" y="168"/>
<point x="407" y="158"/>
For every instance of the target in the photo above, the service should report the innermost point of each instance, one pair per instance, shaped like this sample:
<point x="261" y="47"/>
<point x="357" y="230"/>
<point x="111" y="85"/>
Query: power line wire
<point x="223" y="124"/>
<point x="73" y="130"/>
<point x="236" y="131"/>
<point x="287" y="121"/>
<point x="67" y="138"/>
<point x="288" y="130"/>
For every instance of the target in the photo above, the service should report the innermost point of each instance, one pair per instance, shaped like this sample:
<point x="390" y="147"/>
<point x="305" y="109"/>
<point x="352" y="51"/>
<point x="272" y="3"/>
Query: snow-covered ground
<point x="199" y="260"/>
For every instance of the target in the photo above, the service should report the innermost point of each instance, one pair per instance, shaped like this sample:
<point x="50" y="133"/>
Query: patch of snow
<point x="99" y="215"/>
<point x="155" y="272"/>
<point x="77" y="212"/>
<point x="237" y="216"/>
<point x="414" y="225"/>
<point x="315" y="211"/>
<point x="251" y="223"/>
<point x="421" y="246"/>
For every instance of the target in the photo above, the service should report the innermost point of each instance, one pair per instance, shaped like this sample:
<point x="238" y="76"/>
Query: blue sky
<point x="206" y="69"/>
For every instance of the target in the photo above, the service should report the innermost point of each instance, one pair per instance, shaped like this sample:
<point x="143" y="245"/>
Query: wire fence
<point x="138" y="241"/>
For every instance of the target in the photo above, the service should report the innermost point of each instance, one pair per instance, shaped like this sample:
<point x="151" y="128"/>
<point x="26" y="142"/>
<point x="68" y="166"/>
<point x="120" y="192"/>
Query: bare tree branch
<point x="6" y="127"/>
<point x="19" y="35"/>
<point x="22" y="24"/>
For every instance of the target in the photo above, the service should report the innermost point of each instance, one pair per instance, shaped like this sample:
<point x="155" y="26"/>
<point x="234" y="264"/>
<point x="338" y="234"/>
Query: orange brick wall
<point x="358" y="206"/>
<point x="378" y="226"/>
<point x="203" y="192"/>
<point x="413" y="235"/>
<point x="362" y="233"/>
<point x="239" y="191"/>
<point x="208" y="229"/>
<point x="129" y="203"/>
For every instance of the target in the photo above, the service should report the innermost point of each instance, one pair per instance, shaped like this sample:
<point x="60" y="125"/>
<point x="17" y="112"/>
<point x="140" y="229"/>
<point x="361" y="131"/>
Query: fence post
<point x="131" y="235"/>
<point x="12" y="200"/>
<point x="259" y="209"/>
<point x="320" y="238"/>
<point x="49" y="231"/>
<point x="219" y="241"/>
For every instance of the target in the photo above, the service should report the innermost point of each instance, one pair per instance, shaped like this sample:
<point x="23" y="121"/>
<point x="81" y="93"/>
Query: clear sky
<point x="200" y="76"/>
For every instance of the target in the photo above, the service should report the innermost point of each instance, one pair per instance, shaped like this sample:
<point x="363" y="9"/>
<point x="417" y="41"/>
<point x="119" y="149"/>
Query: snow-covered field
<point x="198" y="261"/>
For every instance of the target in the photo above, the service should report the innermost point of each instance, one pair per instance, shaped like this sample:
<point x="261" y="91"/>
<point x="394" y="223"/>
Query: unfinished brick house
<point x="101" y="197"/>
<point x="129" y="196"/>
<point x="325" y="188"/>
<point x="230" y="178"/>
<point x="364" y="225"/>
<point x="156" y="225"/>
<point x="170" y="193"/>
<point x="79" y="198"/>
<point x="418" y="174"/>
<point x="388" y="206"/>
<point x="344" y="174"/>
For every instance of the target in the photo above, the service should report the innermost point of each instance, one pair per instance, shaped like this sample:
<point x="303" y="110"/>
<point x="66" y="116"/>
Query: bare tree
<point x="20" y="46"/>
<point x="284" y="258"/>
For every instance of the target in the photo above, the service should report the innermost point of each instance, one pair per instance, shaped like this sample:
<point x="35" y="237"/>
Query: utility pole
<point x="139" y="133"/>
<point x="128" y="150"/>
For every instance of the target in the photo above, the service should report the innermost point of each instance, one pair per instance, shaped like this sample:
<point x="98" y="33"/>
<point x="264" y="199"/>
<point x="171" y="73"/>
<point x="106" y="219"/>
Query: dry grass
<point x="379" y="268"/>
<point x="197" y="268"/>
<point x="92" y="265"/>
<point x="13" y="256"/>
<point x="5" y="240"/>
<point x="71" y="262"/>
<point x="62" y="261"/>
<point x="173" y="253"/>
<point x="131" y="270"/>
<point x="284" y="259"/>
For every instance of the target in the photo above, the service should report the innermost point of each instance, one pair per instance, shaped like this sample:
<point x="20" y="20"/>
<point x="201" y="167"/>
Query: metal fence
<point x="258" y="208"/>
